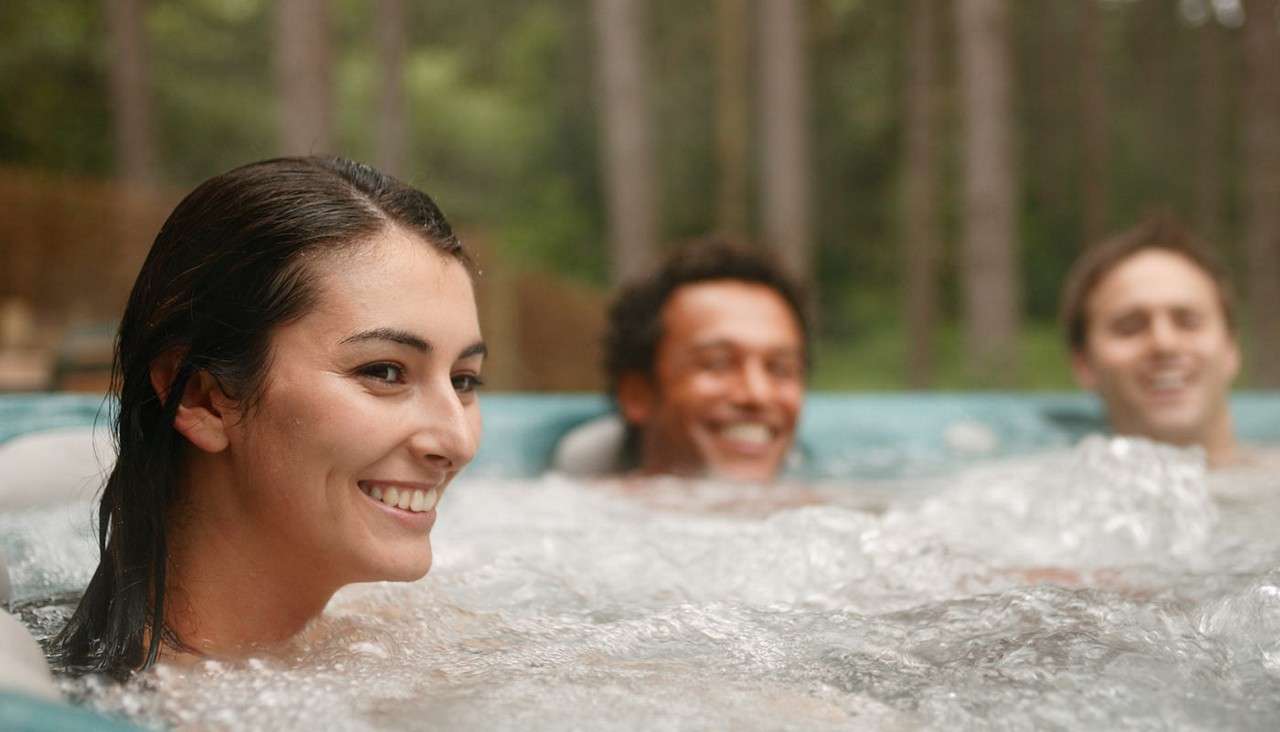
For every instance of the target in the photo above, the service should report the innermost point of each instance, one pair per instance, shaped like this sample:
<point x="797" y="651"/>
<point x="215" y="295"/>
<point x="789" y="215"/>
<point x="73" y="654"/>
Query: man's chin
<point x="1180" y="430"/>
<point x="1174" y="423"/>
<point x="739" y="471"/>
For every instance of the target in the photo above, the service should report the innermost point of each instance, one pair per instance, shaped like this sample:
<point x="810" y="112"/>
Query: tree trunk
<point x="1211" y="108"/>
<point x="731" y="116"/>
<point x="784" y="104"/>
<point x="392" y="144"/>
<point x="1094" y="145"/>
<point x="302" y="70"/>
<point x="629" y="176"/>
<point x="1262" y="185"/>
<point x="990" y="271"/>
<point x="920" y="192"/>
<point x="130" y="91"/>
<point x="1163" y="147"/>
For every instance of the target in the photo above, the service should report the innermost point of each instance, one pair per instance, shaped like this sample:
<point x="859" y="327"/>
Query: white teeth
<point x="417" y="501"/>
<point x="1168" y="380"/>
<point x="752" y="432"/>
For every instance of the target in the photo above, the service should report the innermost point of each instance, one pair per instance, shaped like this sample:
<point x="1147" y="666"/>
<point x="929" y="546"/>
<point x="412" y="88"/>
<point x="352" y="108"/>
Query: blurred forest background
<point x="930" y="167"/>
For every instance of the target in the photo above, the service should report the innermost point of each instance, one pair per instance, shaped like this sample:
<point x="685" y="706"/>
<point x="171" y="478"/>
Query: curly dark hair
<point x="635" y="317"/>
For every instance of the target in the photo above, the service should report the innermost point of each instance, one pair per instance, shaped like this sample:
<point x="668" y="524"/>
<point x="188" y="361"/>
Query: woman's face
<point x="369" y="400"/>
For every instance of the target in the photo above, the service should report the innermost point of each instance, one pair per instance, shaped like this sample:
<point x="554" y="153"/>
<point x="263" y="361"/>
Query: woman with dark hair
<point x="295" y="372"/>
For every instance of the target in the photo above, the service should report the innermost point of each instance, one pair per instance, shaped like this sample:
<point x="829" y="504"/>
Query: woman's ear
<point x="202" y="415"/>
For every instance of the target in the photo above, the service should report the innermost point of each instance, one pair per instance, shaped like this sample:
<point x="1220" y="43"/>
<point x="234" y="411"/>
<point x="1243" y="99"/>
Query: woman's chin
<point x="404" y="568"/>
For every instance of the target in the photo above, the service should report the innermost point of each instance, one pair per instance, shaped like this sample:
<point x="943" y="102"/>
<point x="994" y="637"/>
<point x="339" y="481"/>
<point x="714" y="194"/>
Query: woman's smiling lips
<point x="413" y="503"/>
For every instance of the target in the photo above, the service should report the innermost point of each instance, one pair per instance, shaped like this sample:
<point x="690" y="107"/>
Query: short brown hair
<point x="1160" y="231"/>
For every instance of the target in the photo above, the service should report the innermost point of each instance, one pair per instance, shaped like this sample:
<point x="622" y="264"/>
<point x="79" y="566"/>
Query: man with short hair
<point x="1150" y="322"/>
<point x="706" y="361"/>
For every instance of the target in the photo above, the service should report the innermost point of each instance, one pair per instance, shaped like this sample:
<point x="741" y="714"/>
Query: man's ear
<point x="1233" y="356"/>
<point x="204" y="411"/>
<point x="1085" y="376"/>
<point x="635" y="397"/>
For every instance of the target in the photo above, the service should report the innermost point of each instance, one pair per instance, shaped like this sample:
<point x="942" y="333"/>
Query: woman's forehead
<point x="390" y="281"/>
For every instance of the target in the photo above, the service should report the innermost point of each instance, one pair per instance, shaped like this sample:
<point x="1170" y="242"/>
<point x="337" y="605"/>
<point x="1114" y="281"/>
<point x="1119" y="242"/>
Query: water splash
<point x="49" y="550"/>
<point x="557" y="604"/>
<point x="1118" y="501"/>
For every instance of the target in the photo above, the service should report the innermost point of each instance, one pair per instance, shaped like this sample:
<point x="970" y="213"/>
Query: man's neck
<point x="1219" y="442"/>
<point x="1216" y="437"/>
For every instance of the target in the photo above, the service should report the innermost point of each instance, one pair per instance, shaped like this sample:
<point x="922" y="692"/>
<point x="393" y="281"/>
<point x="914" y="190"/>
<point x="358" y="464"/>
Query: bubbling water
<point x="1100" y="587"/>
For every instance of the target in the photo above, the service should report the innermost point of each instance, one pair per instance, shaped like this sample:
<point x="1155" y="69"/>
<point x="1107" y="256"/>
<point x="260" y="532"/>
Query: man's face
<point x="1158" y="350"/>
<point x="727" y="386"/>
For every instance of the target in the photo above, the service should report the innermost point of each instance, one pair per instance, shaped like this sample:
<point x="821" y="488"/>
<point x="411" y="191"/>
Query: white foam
<point x="558" y="604"/>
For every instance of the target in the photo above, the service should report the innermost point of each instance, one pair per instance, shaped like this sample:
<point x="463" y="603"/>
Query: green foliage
<point x="53" y="83"/>
<point x="856" y="72"/>
<point x="871" y="360"/>
<point x="213" y="87"/>
<point x="502" y="110"/>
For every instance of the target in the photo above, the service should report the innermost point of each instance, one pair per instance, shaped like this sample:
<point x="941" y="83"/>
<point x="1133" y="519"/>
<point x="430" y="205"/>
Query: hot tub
<point x="1012" y="569"/>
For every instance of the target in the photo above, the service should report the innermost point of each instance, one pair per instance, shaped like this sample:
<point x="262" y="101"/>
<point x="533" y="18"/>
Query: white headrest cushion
<point x="22" y="664"/>
<point x="54" y="466"/>
<point x="592" y="449"/>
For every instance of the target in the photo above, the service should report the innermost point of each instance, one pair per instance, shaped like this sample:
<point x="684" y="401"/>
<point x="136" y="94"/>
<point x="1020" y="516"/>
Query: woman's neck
<point x="228" y="592"/>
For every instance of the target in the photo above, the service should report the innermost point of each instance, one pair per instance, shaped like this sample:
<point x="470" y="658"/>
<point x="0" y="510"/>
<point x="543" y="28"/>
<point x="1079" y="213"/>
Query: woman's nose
<point x="447" y="433"/>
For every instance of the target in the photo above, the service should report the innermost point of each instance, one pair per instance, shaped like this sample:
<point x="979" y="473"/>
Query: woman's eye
<point x="466" y="383"/>
<point x="388" y="373"/>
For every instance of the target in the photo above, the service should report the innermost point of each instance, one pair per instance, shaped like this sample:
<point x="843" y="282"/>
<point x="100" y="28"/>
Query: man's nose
<point x="444" y="436"/>
<point x="754" y="385"/>
<point x="1164" y="334"/>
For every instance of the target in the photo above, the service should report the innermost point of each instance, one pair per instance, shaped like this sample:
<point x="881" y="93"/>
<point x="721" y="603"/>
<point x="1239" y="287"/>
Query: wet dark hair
<point x="635" y="317"/>
<point x="1161" y="231"/>
<point x="229" y="266"/>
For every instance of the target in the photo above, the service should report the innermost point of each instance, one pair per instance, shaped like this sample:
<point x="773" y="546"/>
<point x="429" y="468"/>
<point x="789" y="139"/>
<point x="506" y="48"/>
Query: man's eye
<point x="466" y="383"/>
<point x="1128" y="325"/>
<point x="784" y="369"/>
<point x="716" y="363"/>
<point x="1188" y="319"/>
<point x="387" y="373"/>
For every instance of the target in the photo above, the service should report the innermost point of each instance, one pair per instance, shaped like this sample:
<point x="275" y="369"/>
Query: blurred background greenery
<point x="931" y="167"/>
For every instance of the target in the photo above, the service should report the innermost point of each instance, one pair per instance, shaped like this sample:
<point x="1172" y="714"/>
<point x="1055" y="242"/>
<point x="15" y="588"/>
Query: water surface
<point x="1112" y="585"/>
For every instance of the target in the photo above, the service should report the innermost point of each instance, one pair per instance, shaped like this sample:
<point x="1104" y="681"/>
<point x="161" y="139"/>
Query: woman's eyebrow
<point x="475" y="349"/>
<point x="393" y="335"/>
